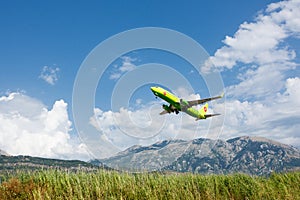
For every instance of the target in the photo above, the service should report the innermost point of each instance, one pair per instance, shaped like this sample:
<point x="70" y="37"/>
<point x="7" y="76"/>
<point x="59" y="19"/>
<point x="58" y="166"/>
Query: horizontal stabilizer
<point x="211" y="115"/>
<point x="208" y="116"/>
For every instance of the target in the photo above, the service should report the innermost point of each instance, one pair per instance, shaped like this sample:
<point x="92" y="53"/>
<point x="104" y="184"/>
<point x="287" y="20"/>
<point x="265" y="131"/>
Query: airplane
<point x="177" y="104"/>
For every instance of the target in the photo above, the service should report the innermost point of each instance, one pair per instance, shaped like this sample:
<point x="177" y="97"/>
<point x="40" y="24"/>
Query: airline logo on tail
<point x="204" y="109"/>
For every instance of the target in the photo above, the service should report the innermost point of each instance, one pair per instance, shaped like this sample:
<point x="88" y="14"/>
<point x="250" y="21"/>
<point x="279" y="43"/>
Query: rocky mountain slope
<point x="251" y="155"/>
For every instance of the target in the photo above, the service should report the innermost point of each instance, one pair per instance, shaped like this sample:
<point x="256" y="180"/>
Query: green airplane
<point x="177" y="104"/>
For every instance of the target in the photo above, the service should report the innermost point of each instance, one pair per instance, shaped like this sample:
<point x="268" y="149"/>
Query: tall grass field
<point x="102" y="184"/>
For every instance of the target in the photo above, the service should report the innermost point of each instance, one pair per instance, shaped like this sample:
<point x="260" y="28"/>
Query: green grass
<point x="103" y="184"/>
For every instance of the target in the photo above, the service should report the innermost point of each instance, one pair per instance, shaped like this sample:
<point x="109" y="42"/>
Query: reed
<point x="54" y="184"/>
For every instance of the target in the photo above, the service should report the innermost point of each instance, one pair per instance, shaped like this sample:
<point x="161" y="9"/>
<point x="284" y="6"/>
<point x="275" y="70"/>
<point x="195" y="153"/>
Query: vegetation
<point x="103" y="184"/>
<point x="28" y="163"/>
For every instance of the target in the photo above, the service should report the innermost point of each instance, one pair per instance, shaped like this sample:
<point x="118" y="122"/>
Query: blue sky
<point x="36" y="34"/>
<point x="43" y="45"/>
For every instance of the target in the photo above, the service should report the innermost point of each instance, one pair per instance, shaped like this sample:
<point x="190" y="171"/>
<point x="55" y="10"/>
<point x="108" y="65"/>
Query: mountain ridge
<point x="3" y="153"/>
<point x="245" y="154"/>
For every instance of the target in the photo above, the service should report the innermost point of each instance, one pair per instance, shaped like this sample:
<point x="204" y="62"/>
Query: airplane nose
<point x="154" y="90"/>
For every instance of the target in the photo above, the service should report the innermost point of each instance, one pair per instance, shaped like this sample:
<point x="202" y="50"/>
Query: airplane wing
<point x="163" y="112"/>
<point x="201" y="101"/>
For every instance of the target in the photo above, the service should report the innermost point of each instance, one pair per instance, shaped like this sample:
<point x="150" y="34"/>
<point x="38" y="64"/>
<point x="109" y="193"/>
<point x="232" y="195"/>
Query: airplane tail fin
<point x="203" y="110"/>
<point x="203" y="114"/>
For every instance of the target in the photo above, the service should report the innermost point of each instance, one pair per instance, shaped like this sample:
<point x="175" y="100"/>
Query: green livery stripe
<point x="169" y="97"/>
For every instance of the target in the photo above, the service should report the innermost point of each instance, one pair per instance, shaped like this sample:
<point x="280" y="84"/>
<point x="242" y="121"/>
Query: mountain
<point x="250" y="155"/>
<point x="12" y="163"/>
<point x="3" y="153"/>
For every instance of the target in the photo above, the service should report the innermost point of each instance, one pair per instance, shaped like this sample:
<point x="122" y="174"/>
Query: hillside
<point x="3" y="153"/>
<point x="250" y="155"/>
<point x="13" y="163"/>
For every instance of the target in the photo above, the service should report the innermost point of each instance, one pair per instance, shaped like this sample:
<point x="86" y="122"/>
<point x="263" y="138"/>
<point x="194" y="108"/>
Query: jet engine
<point x="169" y="109"/>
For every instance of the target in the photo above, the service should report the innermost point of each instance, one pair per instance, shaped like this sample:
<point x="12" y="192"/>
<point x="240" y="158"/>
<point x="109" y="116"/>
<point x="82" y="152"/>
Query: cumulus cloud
<point x="49" y="74"/>
<point x="183" y="93"/>
<point x="261" y="41"/>
<point x="258" y="82"/>
<point x="27" y="127"/>
<point x="127" y="65"/>
<point x="276" y="119"/>
<point x="127" y="128"/>
<point x="144" y="126"/>
<point x="264" y="101"/>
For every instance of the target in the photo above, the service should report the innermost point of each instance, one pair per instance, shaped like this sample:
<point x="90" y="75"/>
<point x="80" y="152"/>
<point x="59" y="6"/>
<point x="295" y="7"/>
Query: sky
<point x="252" y="48"/>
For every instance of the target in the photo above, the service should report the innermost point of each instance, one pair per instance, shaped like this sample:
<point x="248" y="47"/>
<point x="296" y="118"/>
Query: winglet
<point x="222" y="95"/>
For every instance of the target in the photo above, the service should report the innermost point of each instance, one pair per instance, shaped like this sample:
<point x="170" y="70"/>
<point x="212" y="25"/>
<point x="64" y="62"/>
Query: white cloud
<point x="49" y="74"/>
<point x="292" y="90"/>
<point x="126" y="128"/>
<point x="138" y="101"/>
<point x="286" y="13"/>
<point x="261" y="41"/>
<point x="265" y="101"/>
<point x="144" y="126"/>
<point x="183" y="93"/>
<point x="275" y="119"/>
<point x="258" y="82"/>
<point x="27" y="127"/>
<point x="127" y="65"/>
